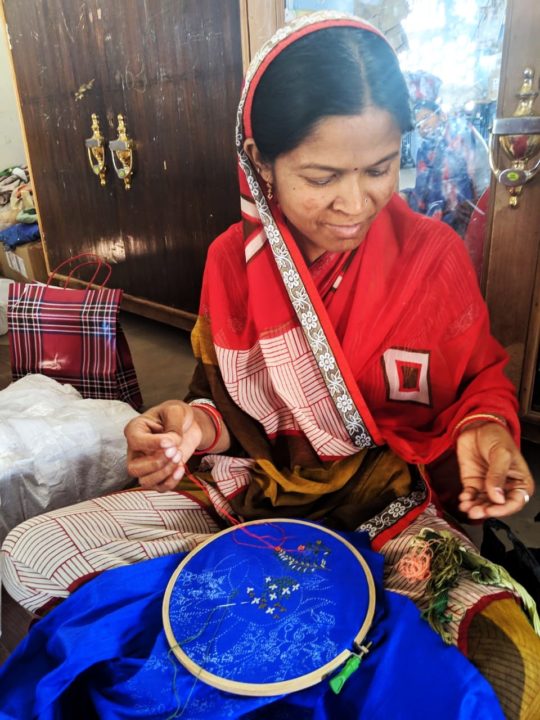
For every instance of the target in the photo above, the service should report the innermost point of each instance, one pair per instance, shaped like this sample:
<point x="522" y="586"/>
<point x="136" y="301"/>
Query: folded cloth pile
<point x="56" y="448"/>
<point x="18" y="216"/>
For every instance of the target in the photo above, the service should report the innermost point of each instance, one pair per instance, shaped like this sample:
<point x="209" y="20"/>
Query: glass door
<point x="450" y="52"/>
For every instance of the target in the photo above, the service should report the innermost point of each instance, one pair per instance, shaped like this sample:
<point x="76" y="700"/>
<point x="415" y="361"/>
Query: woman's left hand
<point x="496" y="479"/>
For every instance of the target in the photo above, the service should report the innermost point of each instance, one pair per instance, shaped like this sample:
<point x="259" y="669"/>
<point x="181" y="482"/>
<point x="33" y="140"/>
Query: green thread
<point x="448" y="558"/>
<point x="170" y="656"/>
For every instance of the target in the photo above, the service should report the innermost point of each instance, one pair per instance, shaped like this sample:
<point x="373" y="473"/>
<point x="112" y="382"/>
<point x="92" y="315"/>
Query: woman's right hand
<point x="160" y="441"/>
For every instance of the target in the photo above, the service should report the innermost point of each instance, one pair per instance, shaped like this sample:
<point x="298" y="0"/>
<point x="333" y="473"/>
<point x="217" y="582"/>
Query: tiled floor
<point x="164" y="364"/>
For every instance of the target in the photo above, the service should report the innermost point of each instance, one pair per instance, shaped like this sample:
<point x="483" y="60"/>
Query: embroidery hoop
<point x="300" y="682"/>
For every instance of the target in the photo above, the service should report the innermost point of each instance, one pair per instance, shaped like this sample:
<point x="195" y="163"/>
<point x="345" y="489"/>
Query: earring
<point x="269" y="190"/>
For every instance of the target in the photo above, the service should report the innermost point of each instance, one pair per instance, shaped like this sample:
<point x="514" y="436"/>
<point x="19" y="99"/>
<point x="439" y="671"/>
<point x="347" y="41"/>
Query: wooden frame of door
<point x="259" y="19"/>
<point x="511" y="282"/>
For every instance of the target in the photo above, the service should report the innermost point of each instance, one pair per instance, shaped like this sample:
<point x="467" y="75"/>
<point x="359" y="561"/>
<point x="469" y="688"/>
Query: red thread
<point x="265" y="540"/>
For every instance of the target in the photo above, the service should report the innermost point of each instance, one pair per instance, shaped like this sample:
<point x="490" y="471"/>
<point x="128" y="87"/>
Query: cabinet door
<point x="173" y="70"/>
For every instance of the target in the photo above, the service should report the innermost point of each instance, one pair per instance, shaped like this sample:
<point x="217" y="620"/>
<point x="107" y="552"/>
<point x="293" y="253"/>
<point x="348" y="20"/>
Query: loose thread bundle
<point x="439" y="556"/>
<point x="436" y="557"/>
<point x="416" y="563"/>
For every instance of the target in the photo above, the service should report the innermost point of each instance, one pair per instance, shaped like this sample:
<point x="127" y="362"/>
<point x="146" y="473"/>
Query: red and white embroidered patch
<point x="407" y="375"/>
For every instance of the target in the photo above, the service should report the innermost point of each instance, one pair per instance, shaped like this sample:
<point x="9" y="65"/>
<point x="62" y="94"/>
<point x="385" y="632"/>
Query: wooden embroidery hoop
<point x="273" y="688"/>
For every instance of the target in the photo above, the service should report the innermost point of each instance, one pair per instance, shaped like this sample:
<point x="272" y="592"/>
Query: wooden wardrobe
<point x="173" y="70"/>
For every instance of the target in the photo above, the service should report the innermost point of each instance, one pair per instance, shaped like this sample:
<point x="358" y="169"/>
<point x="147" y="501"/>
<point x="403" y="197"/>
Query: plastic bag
<point x="57" y="448"/>
<point x="522" y="562"/>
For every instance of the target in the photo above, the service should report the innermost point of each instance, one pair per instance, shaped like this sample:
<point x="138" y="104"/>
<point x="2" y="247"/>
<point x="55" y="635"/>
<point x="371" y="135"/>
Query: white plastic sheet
<point x="56" y="448"/>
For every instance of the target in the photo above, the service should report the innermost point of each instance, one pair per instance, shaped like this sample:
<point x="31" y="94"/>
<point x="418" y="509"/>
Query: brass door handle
<point x="122" y="153"/>
<point x="519" y="137"/>
<point x="95" y="148"/>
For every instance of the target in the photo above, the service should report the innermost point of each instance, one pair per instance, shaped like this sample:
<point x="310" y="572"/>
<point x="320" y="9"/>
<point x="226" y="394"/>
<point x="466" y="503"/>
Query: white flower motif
<point x="344" y="403"/>
<point x="327" y="362"/>
<point x="291" y="279"/>
<point x="273" y="596"/>
<point x="270" y="611"/>
<point x="362" y="441"/>
<point x="255" y="601"/>
<point x="308" y="320"/>
<point x="299" y="304"/>
<point x="272" y="232"/>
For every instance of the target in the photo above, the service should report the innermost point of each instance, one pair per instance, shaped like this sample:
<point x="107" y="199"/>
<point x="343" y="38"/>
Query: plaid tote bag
<point x="73" y="336"/>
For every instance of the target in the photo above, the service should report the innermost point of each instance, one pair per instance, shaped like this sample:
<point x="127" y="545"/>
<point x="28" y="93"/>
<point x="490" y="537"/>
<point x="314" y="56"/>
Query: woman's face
<point x="332" y="186"/>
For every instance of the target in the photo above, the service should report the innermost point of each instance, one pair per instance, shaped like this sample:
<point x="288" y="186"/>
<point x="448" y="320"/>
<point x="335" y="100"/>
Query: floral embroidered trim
<point x="395" y="511"/>
<point x="298" y="295"/>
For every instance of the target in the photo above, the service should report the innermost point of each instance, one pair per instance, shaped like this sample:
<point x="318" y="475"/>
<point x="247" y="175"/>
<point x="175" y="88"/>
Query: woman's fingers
<point x="147" y="436"/>
<point x="167" y="485"/>
<point x="500" y="461"/>
<point x="140" y="465"/>
<point x="495" y="477"/>
<point x="476" y="502"/>
<point x="161" y="426"/>
<point x="473" y="501"/>
<point x="157" y="480"/>
<point x="515" y="501"/>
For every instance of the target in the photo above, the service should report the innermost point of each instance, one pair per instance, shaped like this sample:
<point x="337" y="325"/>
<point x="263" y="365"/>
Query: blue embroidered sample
<point x="249" y="612"/>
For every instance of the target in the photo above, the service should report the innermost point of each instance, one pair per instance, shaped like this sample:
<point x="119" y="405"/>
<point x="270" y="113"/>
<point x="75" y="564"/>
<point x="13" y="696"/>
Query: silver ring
<point x="526" y="496"/>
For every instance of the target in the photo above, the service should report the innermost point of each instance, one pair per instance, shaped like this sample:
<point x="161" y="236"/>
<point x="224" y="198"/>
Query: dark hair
<point x="334" y="71"/>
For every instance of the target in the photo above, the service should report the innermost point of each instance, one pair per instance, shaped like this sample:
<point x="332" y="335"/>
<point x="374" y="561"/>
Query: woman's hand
<point x="161" y="440"/>
<point x="495" y="477"/>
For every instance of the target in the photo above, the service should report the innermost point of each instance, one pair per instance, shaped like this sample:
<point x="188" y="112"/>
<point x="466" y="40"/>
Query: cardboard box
<point x="24" y="263"/>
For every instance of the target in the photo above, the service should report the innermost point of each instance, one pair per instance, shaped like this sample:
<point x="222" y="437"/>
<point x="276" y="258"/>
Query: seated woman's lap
<point x="46" y="557"/>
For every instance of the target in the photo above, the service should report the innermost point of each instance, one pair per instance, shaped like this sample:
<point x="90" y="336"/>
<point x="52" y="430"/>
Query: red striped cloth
<point x="73" y="336"/>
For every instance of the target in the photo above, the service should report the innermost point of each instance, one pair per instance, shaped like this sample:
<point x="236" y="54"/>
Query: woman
<point x="342" y="344"/>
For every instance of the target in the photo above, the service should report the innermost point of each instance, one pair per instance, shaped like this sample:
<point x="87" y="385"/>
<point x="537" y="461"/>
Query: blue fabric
<point x="103" y="654"/>
<point x="235" y="606"/>
<point x="19" y="234"/>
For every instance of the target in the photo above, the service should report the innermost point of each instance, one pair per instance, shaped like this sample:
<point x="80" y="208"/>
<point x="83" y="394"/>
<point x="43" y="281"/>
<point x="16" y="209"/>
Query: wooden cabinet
<point x="174" y="71"/>
<point x="512" y="259"/>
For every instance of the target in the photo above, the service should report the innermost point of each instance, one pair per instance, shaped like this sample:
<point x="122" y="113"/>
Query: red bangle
<point x="215" y="417"/>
